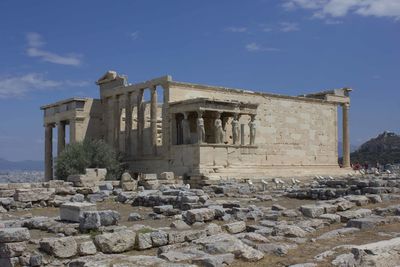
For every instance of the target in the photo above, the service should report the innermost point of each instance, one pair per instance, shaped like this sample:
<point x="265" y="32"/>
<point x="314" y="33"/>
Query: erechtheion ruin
<point x="206" y="132"/>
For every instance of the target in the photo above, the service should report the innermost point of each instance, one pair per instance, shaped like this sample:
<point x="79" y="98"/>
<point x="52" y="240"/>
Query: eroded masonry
<point x="206" y="132"/>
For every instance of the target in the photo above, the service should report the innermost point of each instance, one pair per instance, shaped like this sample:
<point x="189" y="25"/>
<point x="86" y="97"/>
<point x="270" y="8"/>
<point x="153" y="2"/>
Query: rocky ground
<point x="341" y="221"/>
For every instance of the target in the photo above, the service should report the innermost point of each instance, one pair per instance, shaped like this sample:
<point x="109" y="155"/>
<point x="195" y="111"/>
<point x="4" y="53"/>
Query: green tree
<point x="78" y="156"/>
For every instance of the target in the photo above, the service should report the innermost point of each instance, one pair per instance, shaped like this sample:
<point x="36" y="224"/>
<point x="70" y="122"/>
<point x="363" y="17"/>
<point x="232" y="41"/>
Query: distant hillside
<point x="383" y="149"/>
<point x="26" y="165"/>
<point x="340" y="148"/>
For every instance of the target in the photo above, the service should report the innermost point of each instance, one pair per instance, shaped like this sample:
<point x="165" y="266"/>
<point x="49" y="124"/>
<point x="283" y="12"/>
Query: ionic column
<point x="60" y="137"/>
<point x="346" y="135"/>
<point x="153" y="118"/>
<point x="48" y="152"/>
<point x="117" y="123"/>
<point x="128" y="123"/>
<point x="186" y="128"/>
<point x="140" y="123"/>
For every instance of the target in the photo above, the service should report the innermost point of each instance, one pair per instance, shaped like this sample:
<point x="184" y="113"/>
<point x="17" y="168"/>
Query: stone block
<point x="86" y="248"/>
<point x="9" y="262"/>
<point x="129" y="186"/>
<point x="109" y="217"/>
<point x="167" y="176"/>
<point x="148" y="176"/>
<point x="200" y="215"/>
<point x="354" y="214"/>
<point x="144" y="241"/>
<point x="8" y="235"/>
<point x="235" y="227"/>
<point x="63" y="247"/>
<point x="312" y="211"/>
<point x="33" y="195"/>
<point x="116" y="242"/>
<point x="71" y="211"/>
<point x="89" y="220"/>
<point x="7" y="193"/>
<point x="9" y="250"/>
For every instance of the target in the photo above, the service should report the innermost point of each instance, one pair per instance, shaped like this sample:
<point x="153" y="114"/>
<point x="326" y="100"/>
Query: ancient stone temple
<point x="206" y="132"/>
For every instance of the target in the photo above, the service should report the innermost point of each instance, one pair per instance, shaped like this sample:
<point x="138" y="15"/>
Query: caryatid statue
<point x="186" y="129"/>
<point x="219" y="132"/>
<point x="235" y="129"/>
<point x="252" y="126"/>
<point x="201" y="133"/>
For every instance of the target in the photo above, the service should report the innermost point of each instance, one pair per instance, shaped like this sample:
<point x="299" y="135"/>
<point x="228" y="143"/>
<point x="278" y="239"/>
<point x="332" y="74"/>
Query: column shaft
<point x="117" y="123"/>
<point x="346" y="135"/>
<point x="140" y="123"/>
<point x="153" y="119"/>
<point x="60" y="137"/>
<point x="48" y="153"/>
<point x="128" y="124"/>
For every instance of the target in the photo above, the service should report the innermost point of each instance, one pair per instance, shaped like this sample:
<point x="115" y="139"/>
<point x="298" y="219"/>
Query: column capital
<point x="346" y="105"/>
<point x="153" y="88"/>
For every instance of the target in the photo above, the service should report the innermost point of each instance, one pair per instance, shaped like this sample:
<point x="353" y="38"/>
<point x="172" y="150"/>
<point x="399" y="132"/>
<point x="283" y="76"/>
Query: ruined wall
<point x="291" y="131"/>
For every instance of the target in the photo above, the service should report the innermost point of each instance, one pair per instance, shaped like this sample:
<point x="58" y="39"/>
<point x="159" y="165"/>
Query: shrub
<point x="78" y="156"/>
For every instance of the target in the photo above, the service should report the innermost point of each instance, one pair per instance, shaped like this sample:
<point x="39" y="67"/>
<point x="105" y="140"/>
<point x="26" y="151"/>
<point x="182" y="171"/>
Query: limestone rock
<point x="235" y="227"/>
<point x="8" y="250"/>
<point x="8" y="235"/>
<point x="63" y="247"/>
<point x="200" y="215"/>
<point x="71" y="211"/>
<point x="86" y="248"/>
<point x="116" y="242"/>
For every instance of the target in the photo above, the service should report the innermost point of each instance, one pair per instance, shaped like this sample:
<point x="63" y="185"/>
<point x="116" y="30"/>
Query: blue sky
<point x="51" y="50"/>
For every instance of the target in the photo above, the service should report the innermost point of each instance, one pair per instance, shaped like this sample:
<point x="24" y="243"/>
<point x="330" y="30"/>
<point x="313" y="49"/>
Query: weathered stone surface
<point x="382" y="253"/>
<point x="144" y="241"/>
<point x="34" y="194"/>
<point x="71" y="211"/>
<point x="365" y="223"/>
<point x="167" y="176"/>
<point x="109" y="217"/>
<point x="8" y="235"/>
<point x="159" y="238"/>
<point x="86" y="248"/>
<point x="116" y="242"/>
<point x="180" y="225"/>
<point x="289" y="231"/>
<point x="225" y="243"/>
<point x="200" y="215"/>
<point x="134" y="217"/>
<point x="8" y="250"/>
<point x="63" y="247"/>
<point x="89" y="220"/>
<point x="312" y="211"/>
<point x="338" y="232"/>
<point x="332" y="218"/>
<point x="354" y="214"/>
<point x="235" y="227"/>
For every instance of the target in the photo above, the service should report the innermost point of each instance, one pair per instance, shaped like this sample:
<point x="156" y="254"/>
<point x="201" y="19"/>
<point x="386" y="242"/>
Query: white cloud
<point x="255" y="47"/>
<point x="35" y="49"/>
<point x="340" y="8"/>
<point x="236" y="29"/>
<point x="134" y="35"/>
<point x="289" y="27"/>
<point x="19" y="86"/>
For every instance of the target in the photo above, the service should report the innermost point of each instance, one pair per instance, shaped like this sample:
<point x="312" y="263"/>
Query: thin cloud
<point x="236" y="29"/>
<point x="35" y="49"/>
<point x="255" y="47"/>
<point x="340" y="8"/>
<point x="19" y="86"/>
<point x="289" y="27"/>
<point x="134" y="35"/>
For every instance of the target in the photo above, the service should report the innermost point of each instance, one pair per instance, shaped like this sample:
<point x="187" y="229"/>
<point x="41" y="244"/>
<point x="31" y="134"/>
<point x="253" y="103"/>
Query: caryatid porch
<point x="206" y="121"/>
